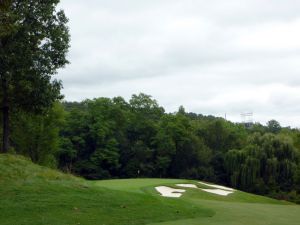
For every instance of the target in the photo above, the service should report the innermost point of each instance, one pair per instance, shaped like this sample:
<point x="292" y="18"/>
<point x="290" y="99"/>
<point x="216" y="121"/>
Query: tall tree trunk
<point x="5" y="113"/>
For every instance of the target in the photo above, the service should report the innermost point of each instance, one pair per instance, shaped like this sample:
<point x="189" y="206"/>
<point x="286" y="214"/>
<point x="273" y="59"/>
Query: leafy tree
<point x="181" y="110"/>
<point x="273" y="126"/>
<point x="37" y="136"/>
<point x="220" y="136"/>
<point x="257" y="128"/>
<point x="141" y="130"/>
<point x="141" y="161"/>
<point x="92" y="138"/>
<point x="165" y="144"/>
<point x="189" y="155"/>
<point x="105" y="160"/>
<point x="267" y="164"/>
<point x="72" y="136"/>
<point x="34" y="40"/>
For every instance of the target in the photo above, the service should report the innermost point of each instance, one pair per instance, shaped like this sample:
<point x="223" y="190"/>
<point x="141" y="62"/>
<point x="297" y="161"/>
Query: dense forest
<point x="108" y="138"/>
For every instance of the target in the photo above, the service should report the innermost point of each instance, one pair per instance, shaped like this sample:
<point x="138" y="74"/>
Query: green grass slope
<point x="35" y="195"/>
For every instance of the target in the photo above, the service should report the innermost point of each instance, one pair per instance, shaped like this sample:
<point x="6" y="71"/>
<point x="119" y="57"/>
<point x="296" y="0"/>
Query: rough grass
<point x="35" y="195"/>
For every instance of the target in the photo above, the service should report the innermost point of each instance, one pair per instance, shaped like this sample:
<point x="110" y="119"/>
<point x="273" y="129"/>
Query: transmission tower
<point x="247" y="118"/>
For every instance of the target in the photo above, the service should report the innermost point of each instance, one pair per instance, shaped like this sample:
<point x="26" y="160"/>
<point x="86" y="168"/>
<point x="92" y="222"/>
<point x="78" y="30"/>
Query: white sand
<point x="217" y="186"/>
<point x="176" y="193"/>
<point x="169" y="192"/>
<point x="218" y="191"/>
<point x="187" y="185"/>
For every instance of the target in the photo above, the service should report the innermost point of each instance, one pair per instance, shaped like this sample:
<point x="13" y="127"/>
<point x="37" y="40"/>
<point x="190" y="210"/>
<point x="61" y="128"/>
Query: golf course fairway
<point x="35" y="195"/>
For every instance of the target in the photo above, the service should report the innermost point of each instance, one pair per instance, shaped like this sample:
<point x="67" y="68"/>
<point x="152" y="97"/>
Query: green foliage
<point x="33" y="49"/>
<point x="37" y="136"/>
<point x="273" y="126"/>
<point x="92" y="137"/>
<point x="268" y="164"/>
<point x="34" y="41"/>
<point x="110" y="138"/>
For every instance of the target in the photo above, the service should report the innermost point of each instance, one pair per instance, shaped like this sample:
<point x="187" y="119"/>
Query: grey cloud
<point x="210" y="56"/>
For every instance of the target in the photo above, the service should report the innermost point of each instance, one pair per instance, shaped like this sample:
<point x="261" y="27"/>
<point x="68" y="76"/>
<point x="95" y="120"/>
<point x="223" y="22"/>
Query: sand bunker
<point x="223" y="192"/>
<point x="187" y="185"/>
<point x="217" y="186"/>
<point x="218" y="191"/>
<point x="176" y="193"/>
<point x="169" y="192"/>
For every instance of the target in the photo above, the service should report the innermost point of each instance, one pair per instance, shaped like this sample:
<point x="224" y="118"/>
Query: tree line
<point x="108" y="138"/>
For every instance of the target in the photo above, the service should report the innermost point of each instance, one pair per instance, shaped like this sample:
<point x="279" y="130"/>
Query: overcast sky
<point x="212" y="57"/>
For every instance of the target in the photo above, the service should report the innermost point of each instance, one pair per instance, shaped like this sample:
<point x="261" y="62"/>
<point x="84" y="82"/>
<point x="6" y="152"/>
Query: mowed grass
<point x="34" y="195"/>
<point x="30" y="194"/>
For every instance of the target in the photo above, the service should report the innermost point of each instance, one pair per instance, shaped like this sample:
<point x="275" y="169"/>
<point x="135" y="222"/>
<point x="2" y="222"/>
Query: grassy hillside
<point x="30" y="194"/>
